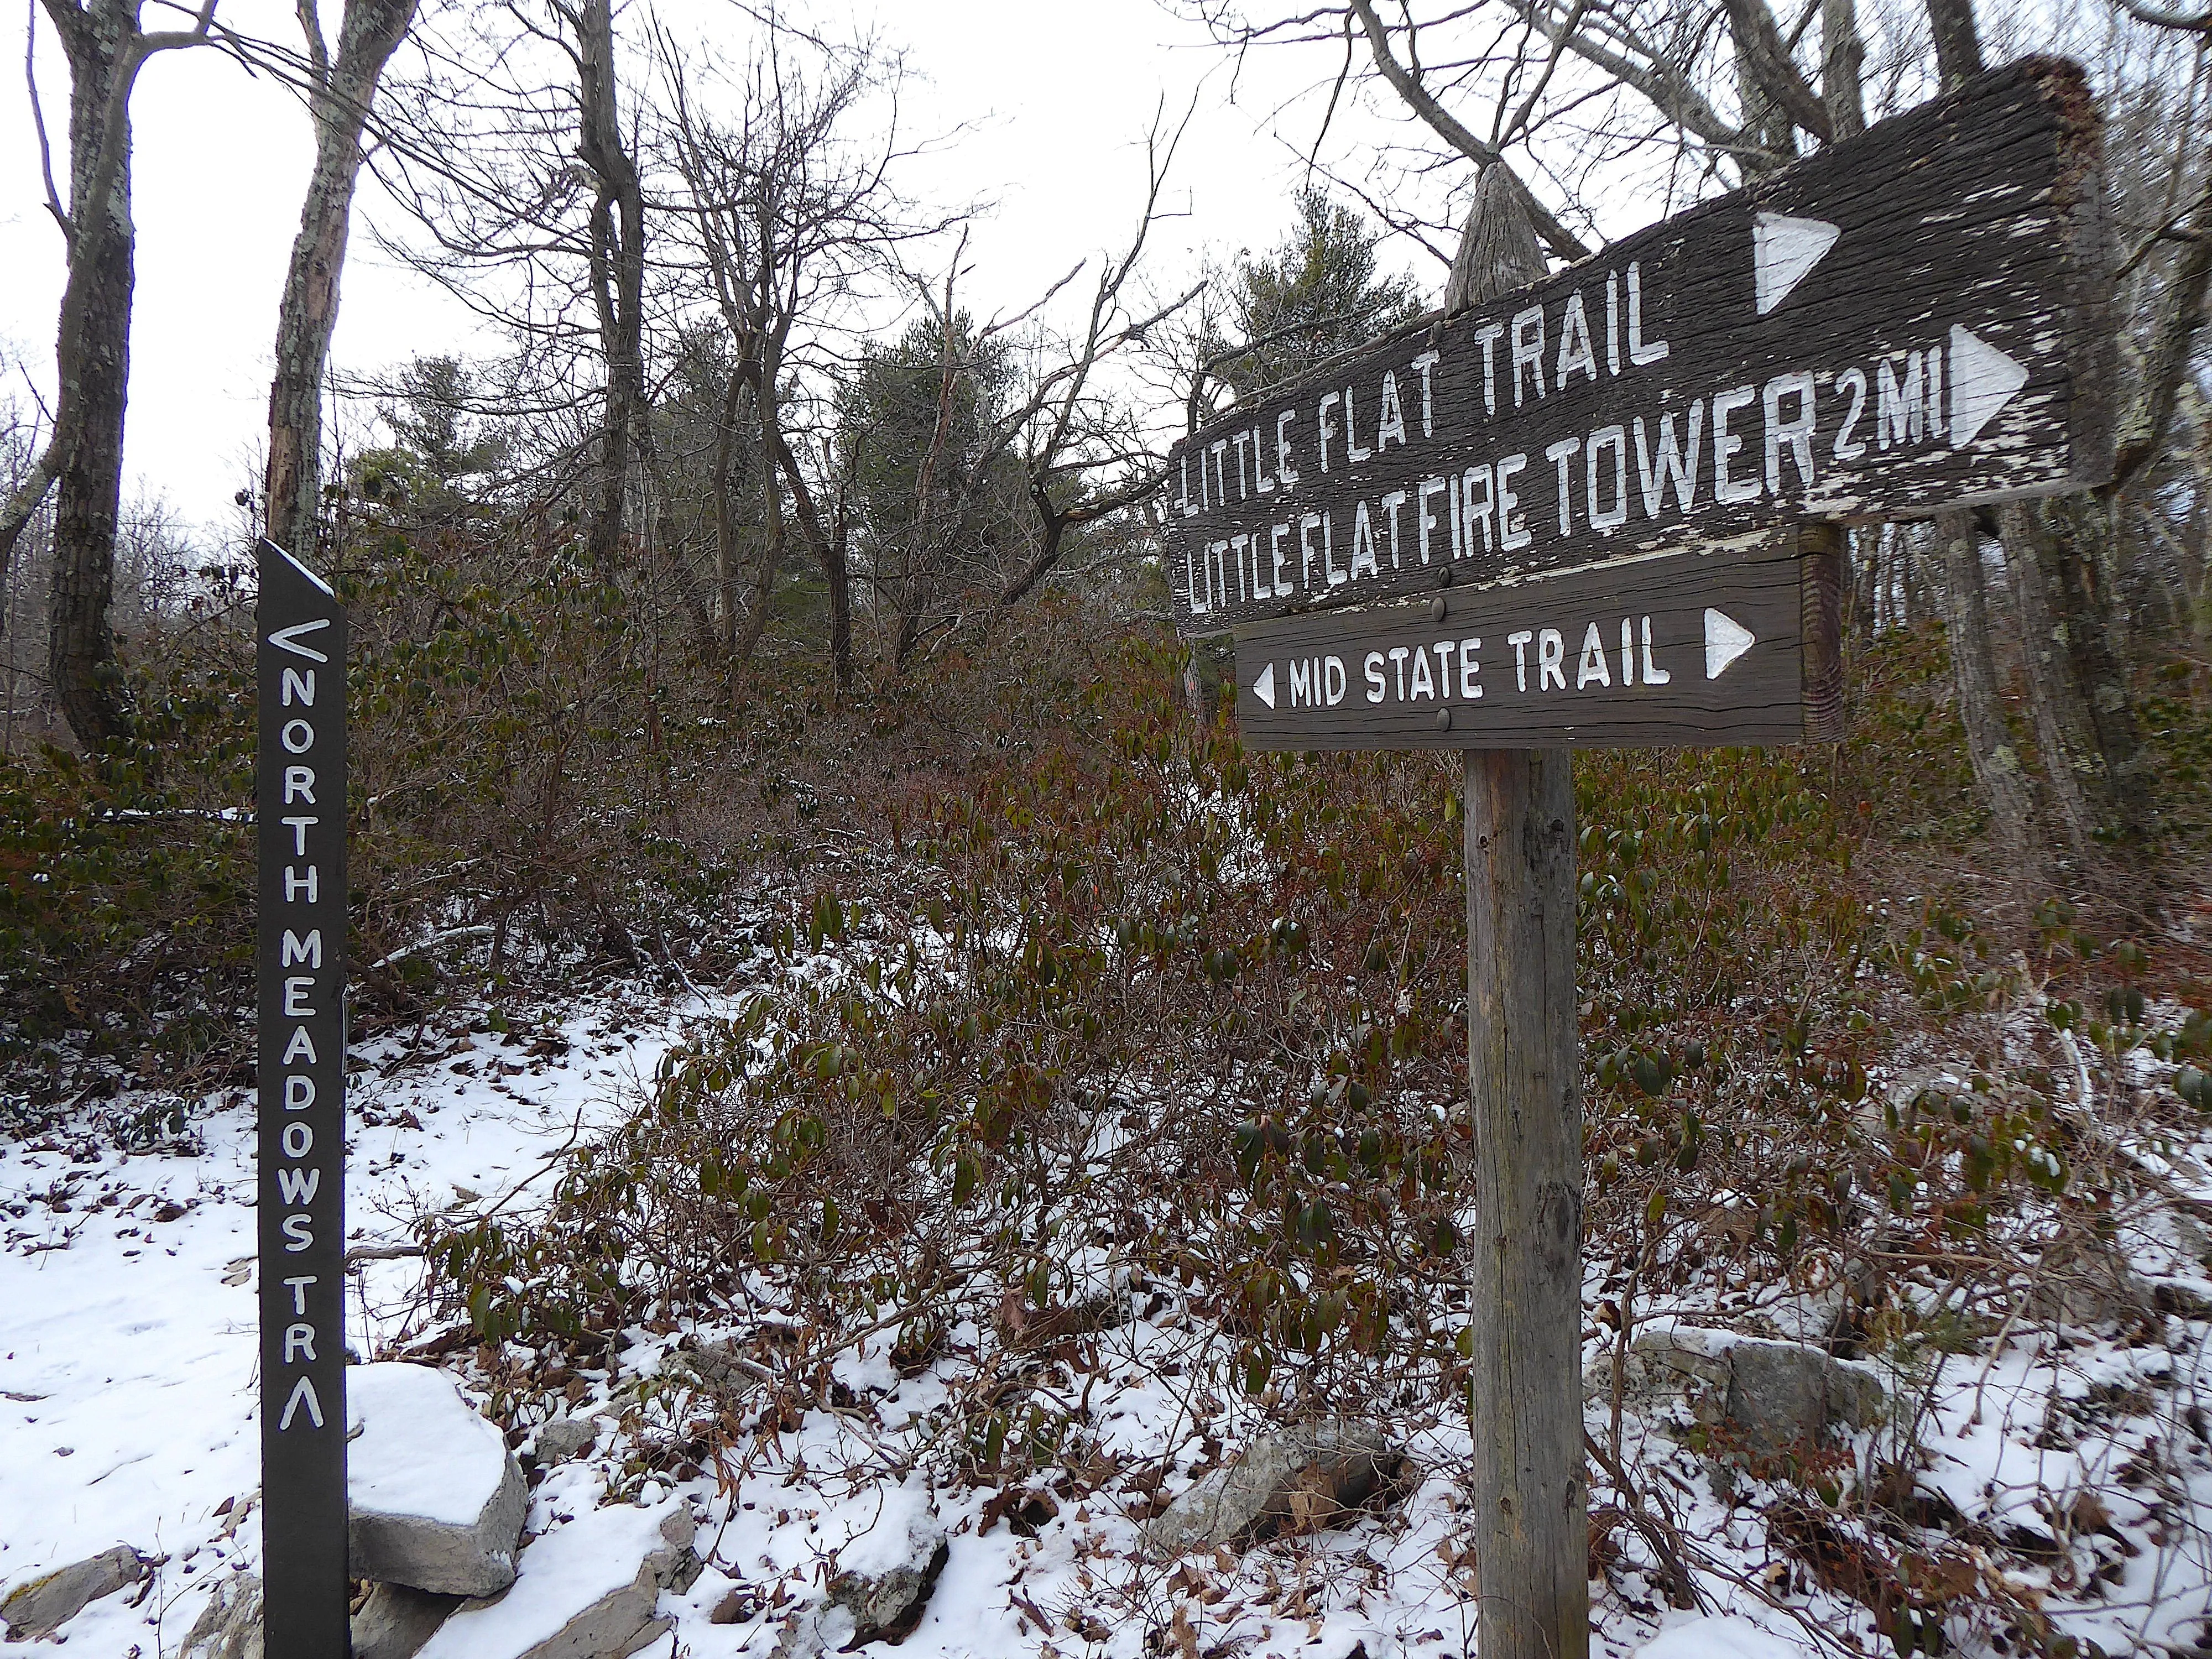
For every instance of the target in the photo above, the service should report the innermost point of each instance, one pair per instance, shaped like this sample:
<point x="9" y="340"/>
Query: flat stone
<point x="45" y="1603"/>
<point x="395" y="1621"/>
<point x="565" y="1438"/>
<point x="588" y="1590"/>
<point x="1291" y="1479"/>
<point x="1772" y="1394"/>
<point x="437" y="1500"/>
<point x="229" y="1626"/>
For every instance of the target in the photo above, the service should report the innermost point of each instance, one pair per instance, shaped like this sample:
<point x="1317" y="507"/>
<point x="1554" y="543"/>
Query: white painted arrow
<point x="1726" y="639"/>
<point x="1782" y="251"/>
<point x="1982" y="382"/>
<point x="1264" y="687"/>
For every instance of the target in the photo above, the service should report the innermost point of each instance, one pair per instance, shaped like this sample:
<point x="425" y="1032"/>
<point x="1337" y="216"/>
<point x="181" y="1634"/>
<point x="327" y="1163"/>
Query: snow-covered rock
<point x="1291" y="1479"/>
<point x="1771" y="1393"/>
<point x="47" y="1602"/>
<point x="586" y="1590"/>
<point x="437" y="1500"/>
<point x="885" y="1576"/>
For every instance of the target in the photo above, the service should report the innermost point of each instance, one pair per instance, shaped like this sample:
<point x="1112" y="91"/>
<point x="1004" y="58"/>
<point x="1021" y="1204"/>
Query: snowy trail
<point x="127" y="1299"/>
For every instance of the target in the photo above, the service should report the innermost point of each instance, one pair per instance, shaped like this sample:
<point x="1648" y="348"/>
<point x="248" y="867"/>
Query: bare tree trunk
<point x="1841" y="53"/>
<point x="1958" y="45"/>
<point x="617" y="270"/>
<point x="339" y="102"/>
<point x="2075" y="554"/>
<point x="93" y="352"/>
<point x="1866" y="576"/>
<point x="726" y="519"/>
<point x="828" y="544"/>
<point x="2062" y="724"/>
<point x="1524" y="1262"/>
<point x="1997" y="770"/>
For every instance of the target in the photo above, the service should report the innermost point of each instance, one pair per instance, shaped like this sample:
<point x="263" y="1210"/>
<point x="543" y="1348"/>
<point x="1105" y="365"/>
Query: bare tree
<point x="340" y="93"/>
<point x="105" y="46"/>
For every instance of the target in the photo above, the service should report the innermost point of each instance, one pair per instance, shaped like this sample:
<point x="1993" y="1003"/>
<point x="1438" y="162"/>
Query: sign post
<point x="1604" y="506"/>
<point x="299" y="810"/>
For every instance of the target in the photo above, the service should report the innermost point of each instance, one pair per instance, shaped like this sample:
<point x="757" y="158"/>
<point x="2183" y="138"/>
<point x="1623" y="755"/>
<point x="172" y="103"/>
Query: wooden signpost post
<point x="1604" y="507"/>
<point x="299" y="807"/>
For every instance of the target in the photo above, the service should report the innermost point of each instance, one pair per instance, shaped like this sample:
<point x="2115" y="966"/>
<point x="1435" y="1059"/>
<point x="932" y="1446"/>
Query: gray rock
<point x="812" y="1633"/>
<point x="395" y="1621"/>
<point x="229" y="1626"/>
<point x="45" y="1604"/>
<point x="1772" y="1394"/>
<point x="437" y="1500"/>
<point x="890" y="1603"/>
<point x="565" y="1438"/>
<point x="1292" y="1479"/>
<point x="2086" y="1282"/>
<point x="576" y="1596"/>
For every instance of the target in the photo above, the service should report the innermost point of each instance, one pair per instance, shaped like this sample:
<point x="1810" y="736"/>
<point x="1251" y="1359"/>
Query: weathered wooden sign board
<point x="1912" y="318"/>
<point x="300" y="789"/>
<point x="1681" y="649"/>
<point x="1604" y="509"/>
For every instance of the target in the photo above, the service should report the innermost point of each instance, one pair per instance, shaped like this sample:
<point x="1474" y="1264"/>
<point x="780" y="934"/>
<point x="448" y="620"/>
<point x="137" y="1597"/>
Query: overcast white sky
<point x="1058" y="93"/>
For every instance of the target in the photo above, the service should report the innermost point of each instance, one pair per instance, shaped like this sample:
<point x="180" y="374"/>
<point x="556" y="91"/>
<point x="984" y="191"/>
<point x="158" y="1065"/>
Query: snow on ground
<point x="127" y="1416"/>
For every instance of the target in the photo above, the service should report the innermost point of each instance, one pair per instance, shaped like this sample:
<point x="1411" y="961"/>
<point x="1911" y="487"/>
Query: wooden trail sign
<point x="1912" y="318"/>
<point x="1688" y="649"/>
<point x="300" y="809"/>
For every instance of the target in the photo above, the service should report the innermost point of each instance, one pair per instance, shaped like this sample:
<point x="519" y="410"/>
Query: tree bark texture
<point x="339" y="102"/>
<point x="1997" y="772"/>
<point x="2062" y="732"/>
<point x="1958" y="44"/>
<point x="1841" y="52"/>
<point x="1524" y="1262"/>
<point x="2076" y="554"/>
<point x="93" y="356"/>
<point x="617" y="270"/>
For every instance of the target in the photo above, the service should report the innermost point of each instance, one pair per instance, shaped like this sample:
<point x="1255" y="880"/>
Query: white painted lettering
<point x="1551" y="658"/>
<point x="294" y="885"/>
<point x="1601" y="516"/>
<point x="1726" y="443"/>
<point x="1795" y="433"/>
<point x="1422" y="366"/>
<point x="298" y="1186"/>
<point x="293" y="949"/>
<point x="1849" y="448"/>
<point x="297" y="737"/>
<point x="297" y="988"/>
<point x="1528" y="349"/>
<point x="1519" y="641"/>
<point x="1327" y="427"/>
<point x="1390" y="421"/>
<point x="1513" y="532"/>
<point x="1487" y="337"/>
<point x="299" y="784"/>
<point x="1375" y="684"/>
<point x="1640" y="351"/>
<point x="1575" y="352"/>
<point x="303" y="1394"/>
<point x="1653" y="674"/>
<point x="1592" y="664"/>
<point x="298" y="685"/>
<point x="1469" y="667"/>
<point x="299" y="1235"/>
<point x="1559" y="455"/>
<point x="299" y="1340"/>
<point x="1680" y="465"/>
<point x="1284" y="469"/>
<point x="1354" y="450"/>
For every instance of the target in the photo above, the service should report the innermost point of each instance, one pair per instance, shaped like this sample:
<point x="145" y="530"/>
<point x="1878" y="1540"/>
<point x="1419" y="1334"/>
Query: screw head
<point x="1436" y="609"/>
<point x="1444" y="720"/>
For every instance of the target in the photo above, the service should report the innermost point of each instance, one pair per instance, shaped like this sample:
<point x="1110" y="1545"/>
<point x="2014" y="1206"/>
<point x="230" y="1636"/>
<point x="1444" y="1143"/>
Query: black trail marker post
<point x="1604" y="506"/>
<point x="299" y="808"/>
